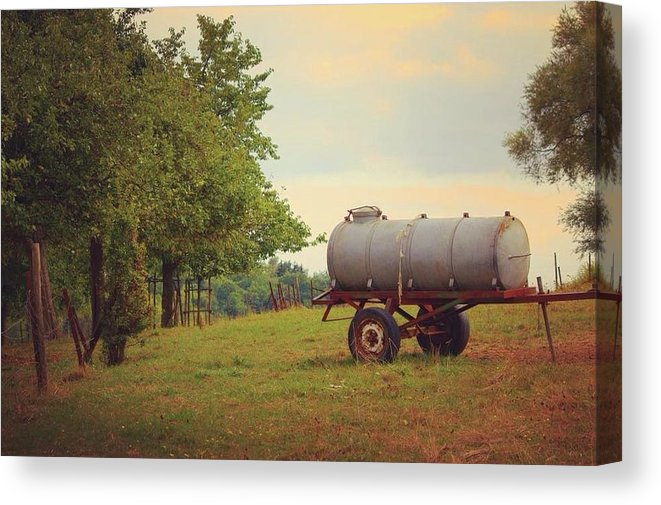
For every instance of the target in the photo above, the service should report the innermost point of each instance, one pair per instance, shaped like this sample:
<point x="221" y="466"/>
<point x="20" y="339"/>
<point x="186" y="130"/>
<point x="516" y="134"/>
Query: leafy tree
<point x="321" y="280"/>
<point x="230" y="216"/>
<point x="230" y="298"/>
<point x="252" y="286"/>
<point x="285" y="267"/>
<point x="239" y="97"/>
<point x="68" y="124"/>
<point x="573" y="118"/>
<point x="588" y="218"/>
<point x="72" y="127"/>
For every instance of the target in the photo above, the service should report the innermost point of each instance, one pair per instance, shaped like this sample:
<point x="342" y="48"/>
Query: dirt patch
<point x="581" y="349"/>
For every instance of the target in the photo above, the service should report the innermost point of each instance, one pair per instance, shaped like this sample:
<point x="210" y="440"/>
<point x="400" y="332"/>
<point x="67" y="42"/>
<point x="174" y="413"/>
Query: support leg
<point x="617" y="323"/>
<point x="549" y="339"/>
<point x="543" y="305"/>
<point x="617" y="316"/>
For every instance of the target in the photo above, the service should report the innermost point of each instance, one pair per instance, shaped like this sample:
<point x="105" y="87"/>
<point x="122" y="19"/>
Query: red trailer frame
<point x="374" y="335"/>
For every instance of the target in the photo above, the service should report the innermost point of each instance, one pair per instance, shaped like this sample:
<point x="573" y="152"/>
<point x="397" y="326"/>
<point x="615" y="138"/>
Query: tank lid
<point x="366" y="212"/>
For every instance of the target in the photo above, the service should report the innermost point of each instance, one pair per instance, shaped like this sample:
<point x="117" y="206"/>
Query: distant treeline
<point x="245" y="293"/>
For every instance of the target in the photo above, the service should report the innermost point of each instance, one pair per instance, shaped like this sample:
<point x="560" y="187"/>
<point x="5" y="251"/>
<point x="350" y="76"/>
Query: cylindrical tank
<point x="367" y="251"/>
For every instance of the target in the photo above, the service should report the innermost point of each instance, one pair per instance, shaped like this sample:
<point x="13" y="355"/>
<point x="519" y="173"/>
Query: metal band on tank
<point x="494" y="260"/>
<point x="407" y="248"/>
<point x="452" y="276"/>
<point x="368" y="249"/>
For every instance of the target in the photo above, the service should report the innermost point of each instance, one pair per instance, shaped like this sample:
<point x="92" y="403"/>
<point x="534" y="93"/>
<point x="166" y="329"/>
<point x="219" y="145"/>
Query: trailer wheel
<point x="450" y="335"/>
<point x="374" y="336"/>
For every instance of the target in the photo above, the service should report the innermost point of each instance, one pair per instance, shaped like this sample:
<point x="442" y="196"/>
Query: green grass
<point x="283" y="386"/>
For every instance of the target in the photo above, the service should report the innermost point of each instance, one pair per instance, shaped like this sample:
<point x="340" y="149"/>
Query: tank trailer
<point x="443" y="266"/>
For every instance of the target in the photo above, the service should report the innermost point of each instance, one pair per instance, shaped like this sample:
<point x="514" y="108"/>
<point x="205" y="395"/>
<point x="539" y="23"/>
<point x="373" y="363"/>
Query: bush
<point x="585" y="277"/>
<point x="126" y="304"/>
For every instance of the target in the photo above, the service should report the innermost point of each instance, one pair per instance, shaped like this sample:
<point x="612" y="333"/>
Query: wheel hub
<point x="372" y="337"/>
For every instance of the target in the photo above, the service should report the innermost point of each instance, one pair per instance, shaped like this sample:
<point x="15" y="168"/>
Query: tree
<point x="72" y="125"/>
<point x="230" y="298"/>
<point x="218" y="213"/>
<point x="573" y="119"/>
<point x="65" y="120"/>
<point x="588" y="219"/>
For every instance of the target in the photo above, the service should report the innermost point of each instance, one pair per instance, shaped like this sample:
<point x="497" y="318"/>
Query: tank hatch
<point x="364" y="213"/>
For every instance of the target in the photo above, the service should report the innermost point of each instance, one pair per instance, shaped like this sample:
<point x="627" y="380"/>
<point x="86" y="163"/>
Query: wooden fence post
<point x="199" y="287"/>
<point x="209" y="291"/>
<point x="281" y="297"/>
<point x="273" y="300"/>
<point x="73" y="328"/>
<point x="51" y="323"/>
<point x="188" y="301"/>
<point x="181" y="306"/>
<point x="37" y="314"/>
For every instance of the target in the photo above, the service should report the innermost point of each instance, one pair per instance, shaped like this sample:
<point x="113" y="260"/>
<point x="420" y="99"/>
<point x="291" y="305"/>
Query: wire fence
<point x="19" y="331"/>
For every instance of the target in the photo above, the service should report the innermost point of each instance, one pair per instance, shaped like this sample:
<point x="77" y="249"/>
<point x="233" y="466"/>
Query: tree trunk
<point x="96" y="291"/>
<point x="167" y="299"/>
<point x="116" y="352"/>
<point x="52" y="325"/>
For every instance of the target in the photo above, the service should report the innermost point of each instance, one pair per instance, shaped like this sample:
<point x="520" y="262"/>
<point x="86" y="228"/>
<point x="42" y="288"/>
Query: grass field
<point x="283" y="386"/>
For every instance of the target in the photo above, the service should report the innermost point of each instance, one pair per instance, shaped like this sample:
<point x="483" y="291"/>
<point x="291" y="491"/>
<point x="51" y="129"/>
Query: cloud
<point x="466" y="66"/>
<point x="374" y="64"/>
<point x="381" y="22"/>
<point x="516" y="18"/>
<point x="361" y="43"/>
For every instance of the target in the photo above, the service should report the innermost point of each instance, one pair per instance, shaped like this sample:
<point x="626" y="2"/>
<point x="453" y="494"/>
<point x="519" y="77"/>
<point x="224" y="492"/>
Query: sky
<point x="400" y="106"/>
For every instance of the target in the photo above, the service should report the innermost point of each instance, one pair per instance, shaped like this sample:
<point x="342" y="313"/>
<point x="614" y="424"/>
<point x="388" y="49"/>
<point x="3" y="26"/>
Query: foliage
<point x="572" y="115"/>
<point x="67" y="116"/>
<point x="286" y="267"/>
<point x="573" y="108"/>
<point x="230" y="298"/>
<point x="239" y="98"/>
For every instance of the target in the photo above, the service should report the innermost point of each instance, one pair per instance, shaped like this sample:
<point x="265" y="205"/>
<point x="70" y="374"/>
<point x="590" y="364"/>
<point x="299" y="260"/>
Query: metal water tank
<point x="367" y="251"/>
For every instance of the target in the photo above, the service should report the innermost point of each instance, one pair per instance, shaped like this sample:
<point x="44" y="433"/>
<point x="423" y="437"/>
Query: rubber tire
<point x="391" y="335"/>
<point x="458" y="329"/>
